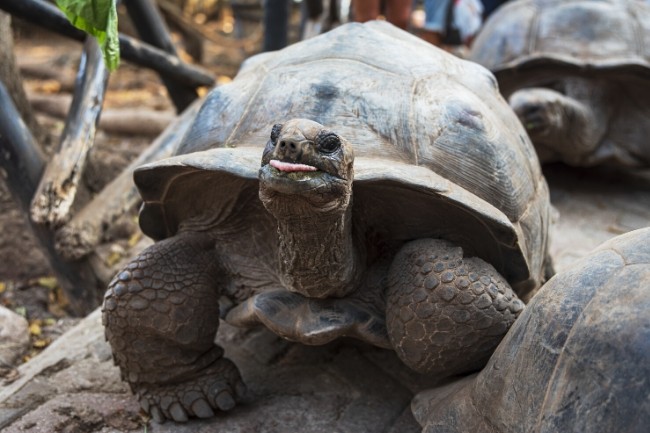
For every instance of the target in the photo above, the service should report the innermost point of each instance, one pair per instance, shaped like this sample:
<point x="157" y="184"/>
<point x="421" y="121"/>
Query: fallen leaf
<point x="41" y="343"/>
<point x="113" y="258"/>
<point x="134" y="239"/>
<point x="59" y="303"/>
<point x="49" y="282"/>
<point x="35" y="328"/>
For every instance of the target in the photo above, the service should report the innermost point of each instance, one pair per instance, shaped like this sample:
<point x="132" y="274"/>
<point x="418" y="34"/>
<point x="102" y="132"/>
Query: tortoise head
<point x="306" y="184"/>
<point x="306" y="169"/>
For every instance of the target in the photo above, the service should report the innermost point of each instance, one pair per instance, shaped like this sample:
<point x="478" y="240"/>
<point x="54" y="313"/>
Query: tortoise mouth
<point x="292" y="178"/>
<point x="291" y="167"/>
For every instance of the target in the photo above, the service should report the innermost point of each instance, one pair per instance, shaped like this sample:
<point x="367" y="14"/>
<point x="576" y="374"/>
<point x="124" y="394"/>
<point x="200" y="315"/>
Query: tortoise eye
<point x="328" y="141"/>
<point x="275" y="132"/>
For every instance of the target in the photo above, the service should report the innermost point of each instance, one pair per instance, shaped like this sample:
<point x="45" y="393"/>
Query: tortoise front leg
<point x="560" y="124"/>
<point x="161" y="315"/>
<point x="446" y="314"/>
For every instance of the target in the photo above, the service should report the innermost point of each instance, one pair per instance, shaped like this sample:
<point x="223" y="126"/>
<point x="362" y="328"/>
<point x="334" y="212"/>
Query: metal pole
<point x="152" y="29"/>
<point x="276" y="24"/>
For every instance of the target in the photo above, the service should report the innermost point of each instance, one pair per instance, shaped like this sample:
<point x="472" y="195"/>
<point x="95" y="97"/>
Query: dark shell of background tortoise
<point x="575" y="34"/>
<point x="576" y="360"/>
<point x="537" y="43"/>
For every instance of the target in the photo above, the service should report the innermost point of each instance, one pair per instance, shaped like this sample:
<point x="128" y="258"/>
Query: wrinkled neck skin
<point x="317" y="254"/>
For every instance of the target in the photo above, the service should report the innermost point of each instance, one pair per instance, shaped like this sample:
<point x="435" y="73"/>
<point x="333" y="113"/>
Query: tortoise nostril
<point x="288" y="144"/>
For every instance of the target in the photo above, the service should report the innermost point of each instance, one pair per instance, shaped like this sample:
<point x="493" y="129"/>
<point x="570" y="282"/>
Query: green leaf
<point x="99" y="19"/>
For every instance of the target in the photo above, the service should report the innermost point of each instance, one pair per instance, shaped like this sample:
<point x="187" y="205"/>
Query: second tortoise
<point x="577" y="73"/>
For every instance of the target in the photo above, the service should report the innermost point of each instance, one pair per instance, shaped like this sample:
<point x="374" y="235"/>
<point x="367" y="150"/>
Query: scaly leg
<point x="446" y="314"/>
<point x="161" y="315"/>
<point x="571" y="128"/>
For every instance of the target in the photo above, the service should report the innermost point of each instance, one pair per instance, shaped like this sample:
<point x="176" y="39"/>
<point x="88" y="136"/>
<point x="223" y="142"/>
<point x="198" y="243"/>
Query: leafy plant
<point x="99" y="19"/>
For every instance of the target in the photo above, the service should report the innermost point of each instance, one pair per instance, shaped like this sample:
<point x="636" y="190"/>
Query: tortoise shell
<point x="608" y="36"/>
<point x="438" y="151"/>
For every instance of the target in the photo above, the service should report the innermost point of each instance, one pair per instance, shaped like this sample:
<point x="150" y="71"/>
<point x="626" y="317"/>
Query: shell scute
<point x="575" y="35"/>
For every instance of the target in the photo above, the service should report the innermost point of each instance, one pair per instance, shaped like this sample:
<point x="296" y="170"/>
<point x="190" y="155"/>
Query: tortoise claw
<point x="178" y="413"/>
<point x="156" y="414"/>
<point x="224" y="401"/>
<point x="202" y="409"/>
<point x="216" y="388"/>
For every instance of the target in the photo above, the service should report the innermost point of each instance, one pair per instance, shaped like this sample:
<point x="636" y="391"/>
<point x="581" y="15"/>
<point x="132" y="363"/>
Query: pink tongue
<point x="287" y="166"/>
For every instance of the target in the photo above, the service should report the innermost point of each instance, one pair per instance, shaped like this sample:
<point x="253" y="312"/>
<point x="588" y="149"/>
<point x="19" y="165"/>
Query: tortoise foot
<point x="559" y="123"/>
<point x="216" y="388"/>
<point x="446" y="313"/>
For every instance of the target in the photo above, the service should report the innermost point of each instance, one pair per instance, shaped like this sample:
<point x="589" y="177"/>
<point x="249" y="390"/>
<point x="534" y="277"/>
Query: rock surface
<point x="342" y="387"/>
<point x="14" y="337"/>
<point x="345" y="387"/>
<point x="594" y="205"/>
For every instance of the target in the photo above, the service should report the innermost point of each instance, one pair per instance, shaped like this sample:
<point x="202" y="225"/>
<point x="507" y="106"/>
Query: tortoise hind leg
<point x="446" y="314"/>
<point x="161" y="315"/>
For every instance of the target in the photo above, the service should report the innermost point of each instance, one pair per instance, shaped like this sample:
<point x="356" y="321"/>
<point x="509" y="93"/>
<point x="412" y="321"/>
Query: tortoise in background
<point x="576" y="360"/>
<point x="577" y="73"/>
<point x="359" y="184"/>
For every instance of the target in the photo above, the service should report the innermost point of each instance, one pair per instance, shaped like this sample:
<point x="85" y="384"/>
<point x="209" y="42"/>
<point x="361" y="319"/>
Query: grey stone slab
<point x="74" y="387"/>
<point x="14" y="336"/>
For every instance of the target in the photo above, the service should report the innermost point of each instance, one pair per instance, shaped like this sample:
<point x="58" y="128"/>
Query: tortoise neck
<point x="317" y="254"/>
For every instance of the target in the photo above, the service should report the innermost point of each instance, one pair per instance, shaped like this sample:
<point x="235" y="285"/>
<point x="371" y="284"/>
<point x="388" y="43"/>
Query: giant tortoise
<point x="577" y="73"/>
<point x="576" y="360"/>
<point x="359" y="184"/>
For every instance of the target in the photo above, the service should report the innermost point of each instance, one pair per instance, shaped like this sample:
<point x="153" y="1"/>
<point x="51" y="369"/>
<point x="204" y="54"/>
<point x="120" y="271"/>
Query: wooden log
<point x="146" y="56"/>
<point x="86" y="230"/>
<point x="58" y="188"/>
<point x="140" y="53"/>
<point x="122" y="121"/>
<point x="135" y="122"/>
<point x="37" y="69"/>
<point x="23" y="162"/>
<point x="152" y="29"/>
<point x="10" y="76"/>
<point x="18" y="146"/>
<point x="54" y="105"/>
